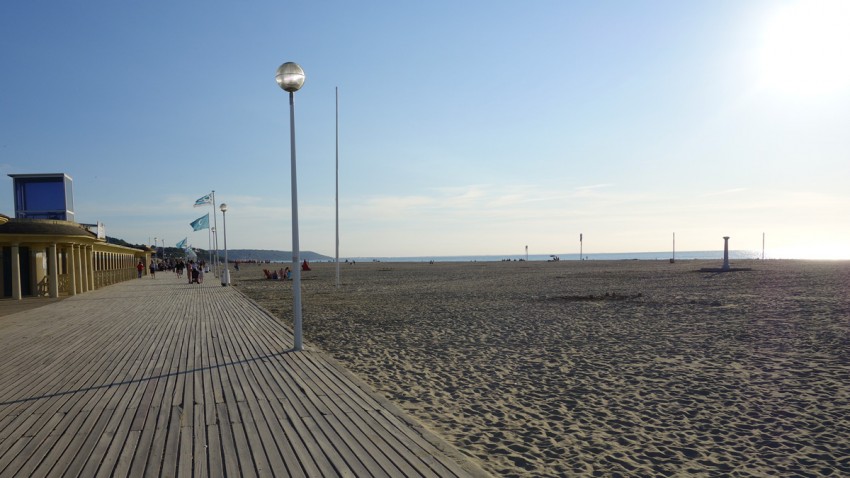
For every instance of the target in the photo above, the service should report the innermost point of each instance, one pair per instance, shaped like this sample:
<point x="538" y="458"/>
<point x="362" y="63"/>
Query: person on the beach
<point x="140" y="267"/>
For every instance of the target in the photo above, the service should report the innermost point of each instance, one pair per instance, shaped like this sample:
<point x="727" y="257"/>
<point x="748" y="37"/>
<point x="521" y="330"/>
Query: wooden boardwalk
<point x="157" y="377"/>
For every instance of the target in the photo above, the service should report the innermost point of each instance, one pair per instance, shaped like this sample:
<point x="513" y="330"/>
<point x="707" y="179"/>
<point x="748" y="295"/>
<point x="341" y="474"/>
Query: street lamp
<point x="290" y="78"/>
<point x="225" y="275"/>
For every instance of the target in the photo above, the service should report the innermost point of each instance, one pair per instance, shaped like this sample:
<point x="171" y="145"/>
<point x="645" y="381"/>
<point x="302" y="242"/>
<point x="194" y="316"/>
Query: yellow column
<point x="72" y="270"/>
<point x="90" y="265"/>
<point x="78" y="261"/>
<point x="84" y="270"/>
<point x="16" y="273"/>
<point x="53" y="272"/>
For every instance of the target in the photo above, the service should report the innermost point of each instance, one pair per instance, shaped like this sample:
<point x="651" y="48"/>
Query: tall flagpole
<point x="337" y="187"/>
<point x="215" y="224"/>
<point x="209" y="239"/>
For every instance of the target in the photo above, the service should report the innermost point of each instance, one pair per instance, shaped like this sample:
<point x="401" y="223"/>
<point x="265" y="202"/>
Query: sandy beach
<point x="598" y="368"/>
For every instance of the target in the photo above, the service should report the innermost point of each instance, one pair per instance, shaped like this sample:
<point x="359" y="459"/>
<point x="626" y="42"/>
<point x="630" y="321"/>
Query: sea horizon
<point x="605" y="256"/>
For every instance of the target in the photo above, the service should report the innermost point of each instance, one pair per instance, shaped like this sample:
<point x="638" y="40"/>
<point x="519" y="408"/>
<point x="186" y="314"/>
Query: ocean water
<point x="645" y="256"/>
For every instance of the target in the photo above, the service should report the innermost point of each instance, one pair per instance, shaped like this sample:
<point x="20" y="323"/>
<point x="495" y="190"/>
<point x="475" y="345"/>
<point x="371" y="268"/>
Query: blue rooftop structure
<point x="43" y="196"/>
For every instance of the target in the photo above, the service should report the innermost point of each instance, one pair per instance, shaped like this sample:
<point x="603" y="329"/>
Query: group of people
<point x="282" y="274"/>
<point x="194" y="270"/>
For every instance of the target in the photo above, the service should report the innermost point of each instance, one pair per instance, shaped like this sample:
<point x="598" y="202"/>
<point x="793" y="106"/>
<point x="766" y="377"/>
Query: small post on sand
<point x="580" y="246"/>
<point x="725" y="253"/>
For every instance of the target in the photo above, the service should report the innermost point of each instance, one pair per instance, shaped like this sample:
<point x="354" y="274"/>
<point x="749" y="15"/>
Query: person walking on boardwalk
<point x="193" y="272"/>
<point x="153" y="270"/>
<point x="140" y="267"/>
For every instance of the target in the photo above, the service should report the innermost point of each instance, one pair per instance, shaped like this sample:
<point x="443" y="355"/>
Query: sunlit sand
<point x="575" y="368"/>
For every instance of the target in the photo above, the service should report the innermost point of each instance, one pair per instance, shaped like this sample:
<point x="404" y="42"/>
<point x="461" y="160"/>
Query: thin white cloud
<point x="724" y="192"/>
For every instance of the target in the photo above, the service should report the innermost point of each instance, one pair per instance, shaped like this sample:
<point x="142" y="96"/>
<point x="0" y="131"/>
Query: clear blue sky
<point x="465" y="127"/>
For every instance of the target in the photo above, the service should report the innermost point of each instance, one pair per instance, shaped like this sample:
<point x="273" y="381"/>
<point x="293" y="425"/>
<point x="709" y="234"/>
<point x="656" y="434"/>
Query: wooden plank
<point x="48" y="353"/>
<point x="216" y="465"/>
<point x="28" y="445"/>
<point x="227" y="440"/>
<point x="314" y="460"/>
<point x="257" y="453"/>
<point x="79" y="409"/>
<point x="85" y="443"/>
<point x="125" y="458"/>
<point x="335" y="446"/>
<point x="172" y="444"/>
<point x="298" y="461"/>
<point x="160" y="432"/>
<point x="198" y="382"/>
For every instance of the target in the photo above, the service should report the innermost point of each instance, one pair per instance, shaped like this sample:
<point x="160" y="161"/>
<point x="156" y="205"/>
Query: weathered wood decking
<point x="157" y="377"/>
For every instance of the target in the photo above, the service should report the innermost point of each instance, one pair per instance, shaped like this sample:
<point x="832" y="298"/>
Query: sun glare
<point x="812" y="252"/>
<point x="805" y="48"/>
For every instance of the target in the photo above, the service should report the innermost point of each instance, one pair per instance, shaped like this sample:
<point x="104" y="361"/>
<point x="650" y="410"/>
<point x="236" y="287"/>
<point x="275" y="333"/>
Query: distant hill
<point x="122" y="242"/>
<point x="259" y="255"/>
<point x="274" y="256"/>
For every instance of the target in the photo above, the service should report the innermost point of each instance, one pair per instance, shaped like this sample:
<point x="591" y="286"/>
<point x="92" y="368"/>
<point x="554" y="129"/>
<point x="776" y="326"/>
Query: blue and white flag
<point x="202" y="222"/>
<point x="204" y="200"/>
<point x="181" y="244"/>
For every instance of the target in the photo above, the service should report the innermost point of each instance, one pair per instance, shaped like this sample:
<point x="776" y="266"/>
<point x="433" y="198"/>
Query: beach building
<point x="46" y="253"/>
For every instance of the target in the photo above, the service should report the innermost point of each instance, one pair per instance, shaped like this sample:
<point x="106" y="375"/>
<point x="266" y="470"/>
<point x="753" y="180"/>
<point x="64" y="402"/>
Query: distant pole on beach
<point x="526" y="253"/>
<point x="581" y="247"/>
<point x="290" y="77"/>
<point x="674" y="247"/>
<point x="725" y="253"/>
<point x="762" y="246"/>
<point x="337" y="186"/>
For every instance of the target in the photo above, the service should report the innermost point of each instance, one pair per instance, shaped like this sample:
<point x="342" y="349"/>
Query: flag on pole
<point x="204" y="200"/>
<point x="202" y="222"/>
<point x="580" y="237"/>
<point x="182" y="244"/>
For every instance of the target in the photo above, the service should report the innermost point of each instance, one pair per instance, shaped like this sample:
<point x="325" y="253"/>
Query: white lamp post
<point x="290" y="77"/>
<point x="225" y="274"/>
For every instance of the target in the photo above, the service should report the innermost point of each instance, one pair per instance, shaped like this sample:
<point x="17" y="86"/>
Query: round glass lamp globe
<point x="290" y="77"/>
<point x="223" y="207"/>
